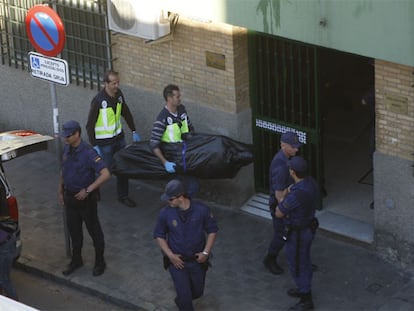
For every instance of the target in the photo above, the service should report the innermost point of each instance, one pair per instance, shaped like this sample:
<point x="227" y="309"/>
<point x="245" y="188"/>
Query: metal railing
<point x="87" y="48"/>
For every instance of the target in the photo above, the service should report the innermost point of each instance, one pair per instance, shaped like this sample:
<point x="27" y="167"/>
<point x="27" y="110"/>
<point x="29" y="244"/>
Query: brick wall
<point x="394" y="86"/>
<point x="183" y="61"/>
<point x="393" y="171"/>
<point x="217" y="100"/>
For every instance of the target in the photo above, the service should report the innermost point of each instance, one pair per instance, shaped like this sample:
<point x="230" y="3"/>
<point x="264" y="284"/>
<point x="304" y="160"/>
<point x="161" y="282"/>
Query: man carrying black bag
<point x="172" y="126"/>
<point x="181" y="232"/>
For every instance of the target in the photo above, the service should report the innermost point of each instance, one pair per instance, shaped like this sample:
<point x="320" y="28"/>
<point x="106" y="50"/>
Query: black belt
<point x="71" y="193"/>
<point x="188" y="259"/>
<point x="313" y="225"/>
<point x="167" y="261"/>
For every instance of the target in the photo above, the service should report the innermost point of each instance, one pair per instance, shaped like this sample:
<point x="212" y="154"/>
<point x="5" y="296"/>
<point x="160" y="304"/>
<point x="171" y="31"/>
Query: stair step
<point x="331" y="222"/>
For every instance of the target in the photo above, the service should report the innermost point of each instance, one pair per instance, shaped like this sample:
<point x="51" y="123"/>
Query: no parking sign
<point x="45" y="30"/>
<point x="47" y="34"/>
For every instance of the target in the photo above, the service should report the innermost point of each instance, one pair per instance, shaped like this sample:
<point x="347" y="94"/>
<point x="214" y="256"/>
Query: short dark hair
<point x="169" y="90"/>
<point x="110" y="73"/>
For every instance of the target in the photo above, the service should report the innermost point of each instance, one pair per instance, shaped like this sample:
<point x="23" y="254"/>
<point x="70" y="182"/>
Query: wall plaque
<point x="396" y="103"/>
<point x="216" y="60"/>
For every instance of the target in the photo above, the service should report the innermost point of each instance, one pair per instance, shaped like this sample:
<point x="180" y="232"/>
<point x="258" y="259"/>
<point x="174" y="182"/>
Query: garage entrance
<point x="327" y="97"/>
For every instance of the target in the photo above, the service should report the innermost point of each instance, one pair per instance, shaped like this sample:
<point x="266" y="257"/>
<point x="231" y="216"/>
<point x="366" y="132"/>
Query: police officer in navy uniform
<point x="8" y="227"/>
<point x="297" y="210"/>
<point x="279" y="179"/>
<point x="181" y="231"/>
<point x="82" y="172"/>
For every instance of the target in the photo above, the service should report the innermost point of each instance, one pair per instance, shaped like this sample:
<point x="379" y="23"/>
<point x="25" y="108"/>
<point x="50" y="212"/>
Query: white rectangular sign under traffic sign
<point x="49" y="68"/>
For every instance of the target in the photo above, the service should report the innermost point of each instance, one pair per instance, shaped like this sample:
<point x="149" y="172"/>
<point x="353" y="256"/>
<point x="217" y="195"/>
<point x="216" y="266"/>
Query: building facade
<point x="223" y="53"/>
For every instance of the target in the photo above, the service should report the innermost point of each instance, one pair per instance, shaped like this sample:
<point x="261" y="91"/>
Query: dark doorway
<point x="347" y="101"/>
<point x="327" y="98"/>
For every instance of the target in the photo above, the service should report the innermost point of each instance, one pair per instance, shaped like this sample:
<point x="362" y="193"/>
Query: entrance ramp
<point x="340" y="225"/>
<point x="345" y="226"/>
<point x="258" y="205"/>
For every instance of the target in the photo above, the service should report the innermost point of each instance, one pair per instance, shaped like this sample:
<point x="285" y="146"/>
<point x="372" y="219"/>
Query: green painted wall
<point x="382" y="29"/>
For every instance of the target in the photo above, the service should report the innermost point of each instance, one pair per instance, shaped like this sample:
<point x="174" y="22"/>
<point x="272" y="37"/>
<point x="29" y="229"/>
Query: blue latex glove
<point x="98" y="151"/>
<point x="169" y="167"/>
<point x="135" y="137"/>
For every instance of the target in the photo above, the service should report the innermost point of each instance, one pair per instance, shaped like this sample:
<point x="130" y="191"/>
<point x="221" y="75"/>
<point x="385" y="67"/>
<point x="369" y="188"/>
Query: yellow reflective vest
<point x="173" y="131"/>
<point x="108" y="124"/>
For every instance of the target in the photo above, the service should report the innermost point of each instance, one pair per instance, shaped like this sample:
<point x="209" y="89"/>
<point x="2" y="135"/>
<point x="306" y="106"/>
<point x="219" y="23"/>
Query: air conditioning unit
<point x="139" y="18"/>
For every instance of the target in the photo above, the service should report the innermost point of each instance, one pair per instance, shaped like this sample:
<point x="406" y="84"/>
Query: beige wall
<point x="182" y="61"/>
<point x="394" y="85"/>
<point x="217" y="100"/>
<point x="393" y="162"/>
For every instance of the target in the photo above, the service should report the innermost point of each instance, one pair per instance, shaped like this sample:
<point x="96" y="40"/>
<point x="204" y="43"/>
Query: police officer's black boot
<point x="270" y="263"/>
<point x="100" y="264"/>
<point x="305" y="303"/>
<point x="74" y="264"/>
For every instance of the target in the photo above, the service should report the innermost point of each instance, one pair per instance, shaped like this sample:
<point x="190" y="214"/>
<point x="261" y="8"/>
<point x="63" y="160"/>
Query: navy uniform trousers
<point x="298" y="254"/>
<point x="78" y="212"/>
<point x="277" y="242"/>
<point x="189" y="283"/>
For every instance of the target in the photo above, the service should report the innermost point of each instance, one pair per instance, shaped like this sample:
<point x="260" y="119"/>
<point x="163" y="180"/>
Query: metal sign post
<point x="47" y="34"/>
<point x="58" y="147"/>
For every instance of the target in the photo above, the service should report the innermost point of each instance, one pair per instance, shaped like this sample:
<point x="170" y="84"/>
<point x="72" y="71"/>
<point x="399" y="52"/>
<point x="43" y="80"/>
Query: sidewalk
<point x="349" y="278"/>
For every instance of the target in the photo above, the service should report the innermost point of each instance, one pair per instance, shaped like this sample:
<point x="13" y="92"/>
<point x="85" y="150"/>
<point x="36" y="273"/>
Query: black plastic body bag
<point x="201" y="155"/>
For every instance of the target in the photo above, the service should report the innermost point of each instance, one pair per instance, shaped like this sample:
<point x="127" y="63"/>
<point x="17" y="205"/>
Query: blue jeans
<point x="108" y="152"/>
<point x="7" y="252"/>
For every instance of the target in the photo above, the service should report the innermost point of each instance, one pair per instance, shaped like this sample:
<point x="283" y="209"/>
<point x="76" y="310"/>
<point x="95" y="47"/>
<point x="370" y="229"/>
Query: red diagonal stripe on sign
<point x="44" y="31"/>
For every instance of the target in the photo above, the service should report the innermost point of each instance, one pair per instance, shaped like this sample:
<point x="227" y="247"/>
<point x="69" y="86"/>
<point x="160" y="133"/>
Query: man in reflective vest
<point x="105" y="131"/>
<point x="172" y="126"/>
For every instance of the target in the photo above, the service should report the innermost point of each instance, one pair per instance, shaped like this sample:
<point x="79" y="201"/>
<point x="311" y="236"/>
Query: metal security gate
<point x="87" y="48"/>
<point x="284" y="96"/>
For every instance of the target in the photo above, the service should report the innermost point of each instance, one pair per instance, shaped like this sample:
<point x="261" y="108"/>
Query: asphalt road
<point x="44" y="294"/>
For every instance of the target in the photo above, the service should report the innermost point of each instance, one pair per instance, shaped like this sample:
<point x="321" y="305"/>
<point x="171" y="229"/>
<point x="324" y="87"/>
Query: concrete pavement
<point x="350" y="277"/>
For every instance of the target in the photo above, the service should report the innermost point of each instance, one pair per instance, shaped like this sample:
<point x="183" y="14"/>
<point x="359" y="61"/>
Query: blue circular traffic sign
<point x="45" y="30"/>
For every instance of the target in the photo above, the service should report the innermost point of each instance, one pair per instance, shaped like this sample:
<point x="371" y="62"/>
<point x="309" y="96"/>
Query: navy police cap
<point x="291" y="138"/>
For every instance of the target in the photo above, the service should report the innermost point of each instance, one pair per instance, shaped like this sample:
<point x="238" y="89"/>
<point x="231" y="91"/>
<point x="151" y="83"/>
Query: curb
<point x="63" y="281"/>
